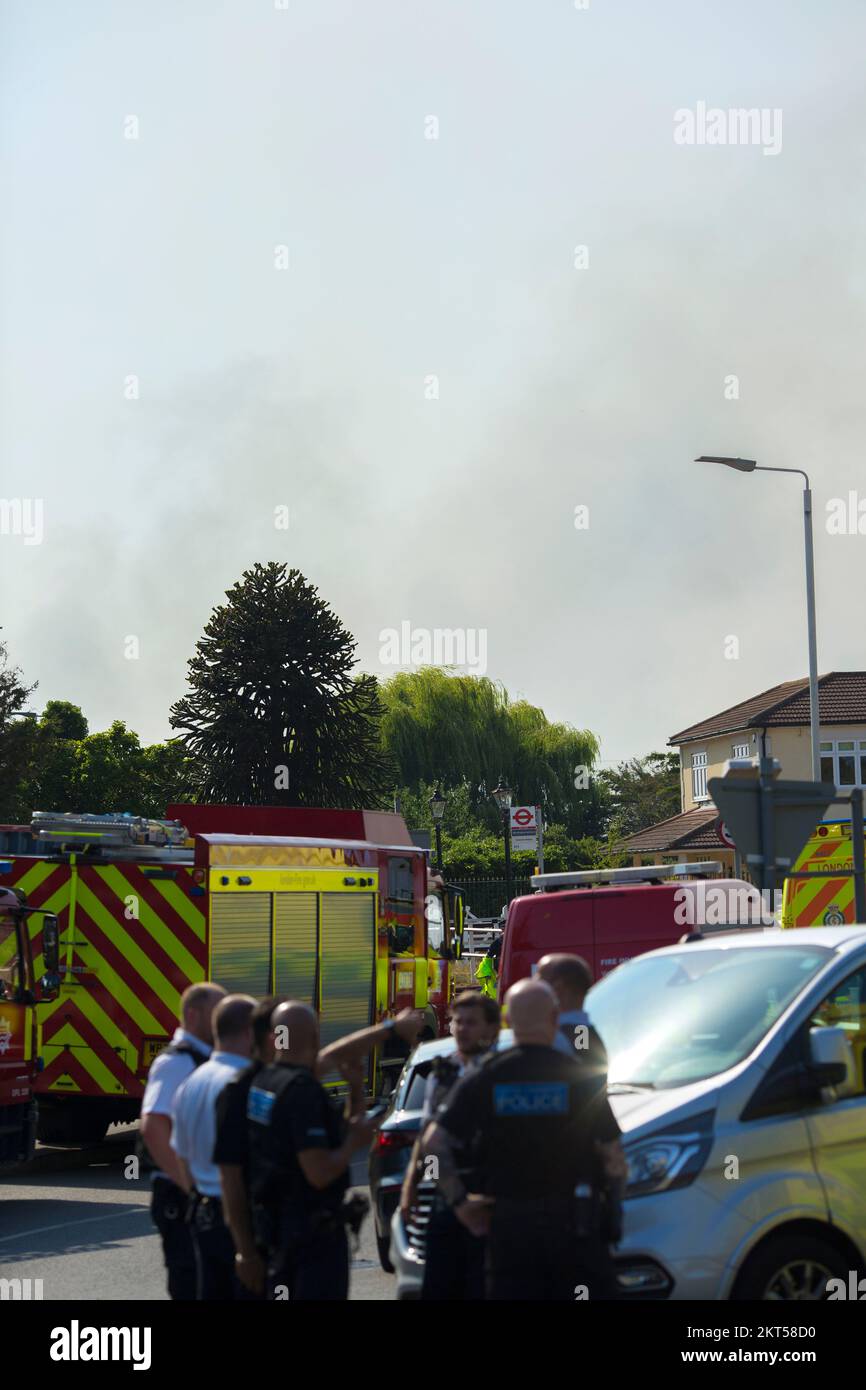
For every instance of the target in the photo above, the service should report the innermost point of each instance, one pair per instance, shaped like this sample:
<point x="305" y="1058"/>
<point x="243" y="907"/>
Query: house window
<point x="741" y="750"/>
<point x="699" y="776"/>
<point x="843" y="762"/>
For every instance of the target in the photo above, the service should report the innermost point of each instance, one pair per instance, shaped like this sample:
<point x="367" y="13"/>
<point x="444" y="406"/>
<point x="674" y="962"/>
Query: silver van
<point x="737" y="1077"/>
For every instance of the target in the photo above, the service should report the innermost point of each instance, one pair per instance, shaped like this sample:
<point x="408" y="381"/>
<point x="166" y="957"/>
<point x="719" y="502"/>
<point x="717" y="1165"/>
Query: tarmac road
<point x="74" y="1220"/>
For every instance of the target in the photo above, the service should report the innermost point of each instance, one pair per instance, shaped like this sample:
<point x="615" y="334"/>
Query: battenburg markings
<point x="531" y="1098"/>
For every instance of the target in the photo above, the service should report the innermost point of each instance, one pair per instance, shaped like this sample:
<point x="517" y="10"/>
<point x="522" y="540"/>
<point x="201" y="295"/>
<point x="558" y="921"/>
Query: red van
<point x="608" y="916"/>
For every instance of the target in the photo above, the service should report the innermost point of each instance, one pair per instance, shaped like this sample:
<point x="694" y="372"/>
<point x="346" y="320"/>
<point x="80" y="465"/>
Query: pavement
<point x="79" y="1220"/>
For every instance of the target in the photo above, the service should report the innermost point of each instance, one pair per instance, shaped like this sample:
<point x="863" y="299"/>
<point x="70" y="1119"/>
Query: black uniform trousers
<point x="534" y="1254"/>
<point x="214" y="1249"/>
<point x="310" y="1262"/>
<point x="168" y="1210"/>
<point x="453" y="1258"/>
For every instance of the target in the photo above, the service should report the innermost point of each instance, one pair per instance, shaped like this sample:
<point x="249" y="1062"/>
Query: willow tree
<point x="464" y="732"/>
<point x="274" y="713"/>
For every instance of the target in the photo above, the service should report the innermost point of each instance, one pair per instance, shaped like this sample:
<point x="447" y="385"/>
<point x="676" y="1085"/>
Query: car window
<point x="415" y="1091"/>
<point x="845" y="1008"/>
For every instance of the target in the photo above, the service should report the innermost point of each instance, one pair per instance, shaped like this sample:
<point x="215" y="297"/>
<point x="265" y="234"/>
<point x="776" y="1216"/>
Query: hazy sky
<point x="409" y="257"/>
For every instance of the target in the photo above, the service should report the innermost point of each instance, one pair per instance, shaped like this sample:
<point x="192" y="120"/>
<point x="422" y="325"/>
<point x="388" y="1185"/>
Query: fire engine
<point x="334" y="907"/>
<point x="18" y="1031"/>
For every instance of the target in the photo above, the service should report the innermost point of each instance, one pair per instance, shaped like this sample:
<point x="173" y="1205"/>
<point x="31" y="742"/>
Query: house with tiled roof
<point x="776" y="724"/>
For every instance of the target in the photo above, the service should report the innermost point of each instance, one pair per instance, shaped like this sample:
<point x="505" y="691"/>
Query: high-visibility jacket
<point x="486" y="973"/>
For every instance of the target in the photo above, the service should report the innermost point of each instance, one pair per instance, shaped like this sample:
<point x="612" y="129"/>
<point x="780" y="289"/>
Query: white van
<point x="737" y="1077"/>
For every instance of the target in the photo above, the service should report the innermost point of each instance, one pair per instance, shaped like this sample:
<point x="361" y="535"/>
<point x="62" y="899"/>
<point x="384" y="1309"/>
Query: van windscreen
<point x="673" y="1019"/>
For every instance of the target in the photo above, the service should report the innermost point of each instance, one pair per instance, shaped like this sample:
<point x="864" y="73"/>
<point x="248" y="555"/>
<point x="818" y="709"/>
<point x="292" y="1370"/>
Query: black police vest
<point x="276" y="1177"/>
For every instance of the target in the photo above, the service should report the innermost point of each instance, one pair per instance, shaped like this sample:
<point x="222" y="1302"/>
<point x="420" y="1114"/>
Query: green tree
<point x="464" y="732"/>
<point x="274" y="713"/>
<point x="17" y="739"/>
<point x="641" y="792"/>
<point x="63" y="720"/>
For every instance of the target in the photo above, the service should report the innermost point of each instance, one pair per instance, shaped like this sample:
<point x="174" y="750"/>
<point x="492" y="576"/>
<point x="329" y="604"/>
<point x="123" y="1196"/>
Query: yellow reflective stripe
<point x="104" y="1024"/>
<point x="382" y="983"/>
<point x="150" y="920"/>
<point x="280" y="880"/>
<point x="87" y="1058"/>
<point x="137" y="958"/>
<point x="183" y="905"/>
<point x="420" y="982"/>
<point x="70" y="924"/>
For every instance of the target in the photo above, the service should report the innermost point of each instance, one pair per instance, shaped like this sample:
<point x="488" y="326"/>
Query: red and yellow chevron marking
<point x="133" y="946"/>
<point x="815" y="902"/>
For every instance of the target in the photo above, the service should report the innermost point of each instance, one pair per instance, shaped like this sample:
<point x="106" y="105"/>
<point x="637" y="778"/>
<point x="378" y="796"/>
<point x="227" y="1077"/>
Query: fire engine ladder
<point x="118" y="831"/>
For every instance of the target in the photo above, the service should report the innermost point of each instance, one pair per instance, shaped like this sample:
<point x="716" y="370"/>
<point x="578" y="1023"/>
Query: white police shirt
<point x="167" y="1072"/>
<point x="194" y="1130"/>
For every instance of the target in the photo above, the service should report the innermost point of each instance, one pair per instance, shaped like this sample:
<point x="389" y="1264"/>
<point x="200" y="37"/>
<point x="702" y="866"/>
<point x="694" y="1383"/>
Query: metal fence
<point x="485" y="897"/>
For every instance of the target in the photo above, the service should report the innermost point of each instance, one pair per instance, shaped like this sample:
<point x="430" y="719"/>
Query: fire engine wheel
<point x="70" y="1125"/>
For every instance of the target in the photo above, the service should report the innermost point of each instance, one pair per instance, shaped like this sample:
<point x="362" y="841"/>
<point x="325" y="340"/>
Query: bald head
<point x="533" y="1010"/>
<point x="296" y="1033"/>
<point x="569" y="976"/>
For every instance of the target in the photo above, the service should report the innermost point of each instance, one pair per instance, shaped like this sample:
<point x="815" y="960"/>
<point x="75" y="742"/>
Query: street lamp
<point x="750" y="466"/>
<point x="437" y="811"/>
<point x="502" y="796"/>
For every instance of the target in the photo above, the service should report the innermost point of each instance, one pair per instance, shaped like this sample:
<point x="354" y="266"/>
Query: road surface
<point x="75" y="1221"/>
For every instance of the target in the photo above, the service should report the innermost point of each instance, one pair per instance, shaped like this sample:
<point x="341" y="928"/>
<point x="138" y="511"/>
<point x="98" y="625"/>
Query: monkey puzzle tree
<point x="274" y="714"/>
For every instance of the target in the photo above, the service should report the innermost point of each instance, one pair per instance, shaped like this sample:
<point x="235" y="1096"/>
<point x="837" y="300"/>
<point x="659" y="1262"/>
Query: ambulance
<point x="828" y="900"/>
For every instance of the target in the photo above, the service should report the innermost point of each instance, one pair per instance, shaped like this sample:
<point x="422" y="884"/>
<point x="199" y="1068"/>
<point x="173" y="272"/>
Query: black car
<point x="389" y="1154"/>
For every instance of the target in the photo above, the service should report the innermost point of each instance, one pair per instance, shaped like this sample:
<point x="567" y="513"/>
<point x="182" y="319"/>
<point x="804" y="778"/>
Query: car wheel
<point x="383" y="1245"/>
<point x="790" y="1269"/>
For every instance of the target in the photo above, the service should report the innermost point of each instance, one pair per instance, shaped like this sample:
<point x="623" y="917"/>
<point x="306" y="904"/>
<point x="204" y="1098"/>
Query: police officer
<point x="538" y="1126"/>
<point x="300" y="1152"/>
<point x="453" y="1258"/>
<point x="570" y="978"/>
<point x="232" y="1154"/>
<point x="190" y="1046"/>
<point x="192" y="1139"/>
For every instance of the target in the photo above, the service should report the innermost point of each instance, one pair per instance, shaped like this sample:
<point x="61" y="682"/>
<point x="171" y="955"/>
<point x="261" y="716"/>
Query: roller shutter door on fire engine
<point x="348" y="958"/>
<point x="240" y="927"/>
<point x="296" y="930"/>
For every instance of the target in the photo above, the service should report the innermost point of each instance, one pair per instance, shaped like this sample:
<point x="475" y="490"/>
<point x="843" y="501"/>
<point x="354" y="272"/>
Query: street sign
<point x="524" y="828"/>
<point x="724" y="834"/>
<point x="770" y="820"/>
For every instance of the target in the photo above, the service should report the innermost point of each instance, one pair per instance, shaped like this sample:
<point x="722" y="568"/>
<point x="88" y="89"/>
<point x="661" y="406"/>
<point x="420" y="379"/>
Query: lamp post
<point x="750" y="466"/>
<point x="502" y="796"/>
<point x="437" y="811"/>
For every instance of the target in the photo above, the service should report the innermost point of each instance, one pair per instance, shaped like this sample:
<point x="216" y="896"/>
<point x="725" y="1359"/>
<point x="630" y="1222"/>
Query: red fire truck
<point x="324" y="905"/>
<point x="18" y="1029"/>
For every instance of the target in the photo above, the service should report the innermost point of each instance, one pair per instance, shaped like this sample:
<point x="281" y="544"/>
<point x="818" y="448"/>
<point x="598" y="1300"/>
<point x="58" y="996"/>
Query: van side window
<point x="846" y="1008"/>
